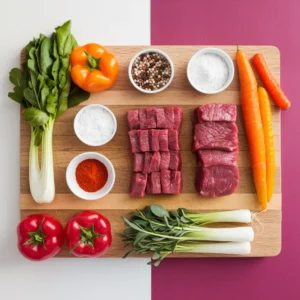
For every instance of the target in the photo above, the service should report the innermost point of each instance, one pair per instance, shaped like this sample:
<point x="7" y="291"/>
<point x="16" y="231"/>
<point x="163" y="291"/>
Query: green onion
<point x="157" y="230"/>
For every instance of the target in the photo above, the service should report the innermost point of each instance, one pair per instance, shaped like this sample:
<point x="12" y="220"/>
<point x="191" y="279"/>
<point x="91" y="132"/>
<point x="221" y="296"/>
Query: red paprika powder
<point x="91" y="175"/>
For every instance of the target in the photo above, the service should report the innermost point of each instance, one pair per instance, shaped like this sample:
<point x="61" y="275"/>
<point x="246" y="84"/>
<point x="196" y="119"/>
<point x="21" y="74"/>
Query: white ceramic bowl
<point x="71" y="177"/>
<point x="148" y="51"/>
<point x="84" y="139"/>
<point x="225" y="57"/>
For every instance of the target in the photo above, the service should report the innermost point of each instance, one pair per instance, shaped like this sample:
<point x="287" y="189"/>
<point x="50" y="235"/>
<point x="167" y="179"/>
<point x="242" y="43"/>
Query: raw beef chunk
<point x="215" y="135"/>
<point x="164" y="160"/>
<point x="138" y="162"/>
<point x="144" y="140"/>
<point x="216" y="112"/>
<point x="133" y="119"/>
<point x="178" y="115"/>
<point x="147" y="163"/>
<point x="163" y="140"/>
<point x="165" y="179"/>
<point x="216" y="181"/>
<point x="154" y="140"/>
<point x="143" y="118"/>
<point x="169" y="114"/>
<point x="155" y="162"/>
<point x="175" y="182"/>
<point x="134" y="141"/>
<point x="175" y="161"/>
<point x="138" y="185"/>
<point x="153" y="183"/>
<point x="161" y="118"/>
<point x="216" y="157"/>
<point x="151" y="117"/>
<point x="173" y="139"/>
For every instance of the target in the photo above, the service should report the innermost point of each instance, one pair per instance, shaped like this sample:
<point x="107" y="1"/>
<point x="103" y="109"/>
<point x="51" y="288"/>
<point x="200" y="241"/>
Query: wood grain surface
<point x="122" y="97"/>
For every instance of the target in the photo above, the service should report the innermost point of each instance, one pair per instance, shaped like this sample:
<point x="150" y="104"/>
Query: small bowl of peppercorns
<point x="151" y="71"/>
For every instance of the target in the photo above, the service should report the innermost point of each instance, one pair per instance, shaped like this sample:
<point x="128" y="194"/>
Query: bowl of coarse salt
<point x="210" y="71"/>
<point x="95" y="125"/>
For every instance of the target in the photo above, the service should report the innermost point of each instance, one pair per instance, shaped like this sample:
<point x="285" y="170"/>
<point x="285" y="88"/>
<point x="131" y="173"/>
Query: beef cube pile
<point x="216" y="144"/>
<point x="154" y="139"/>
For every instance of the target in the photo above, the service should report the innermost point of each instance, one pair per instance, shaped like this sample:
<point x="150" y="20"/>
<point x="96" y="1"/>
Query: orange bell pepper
<point x="94" y="69"/>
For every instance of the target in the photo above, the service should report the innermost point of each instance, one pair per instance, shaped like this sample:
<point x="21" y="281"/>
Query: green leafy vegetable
<point x="42" y="87"/>
<point x="156" y="230"/>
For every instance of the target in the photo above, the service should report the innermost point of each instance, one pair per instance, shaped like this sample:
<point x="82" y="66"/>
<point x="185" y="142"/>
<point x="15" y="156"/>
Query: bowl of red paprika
<point x="90" y="176"/>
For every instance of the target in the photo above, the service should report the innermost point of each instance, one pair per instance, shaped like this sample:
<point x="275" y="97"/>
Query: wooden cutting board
<point x="122" y="97"/>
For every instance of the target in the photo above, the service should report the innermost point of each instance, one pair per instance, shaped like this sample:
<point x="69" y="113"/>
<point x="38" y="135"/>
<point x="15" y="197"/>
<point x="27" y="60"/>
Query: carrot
<point x="253" y="126"/>
<point x="270" y="82"/>
<point x="266" y="116"/>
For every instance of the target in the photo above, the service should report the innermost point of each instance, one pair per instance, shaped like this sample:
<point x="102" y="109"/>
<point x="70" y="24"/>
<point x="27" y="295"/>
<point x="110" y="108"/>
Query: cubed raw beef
<point x="165" y="179"/>
<point x="175" y="160"/>
<point x="169" y="113"/>
<point x="134" y="141"/>
<point x="138" y="185"/>
<point x="173" y="139"/>
<point x="154" y="140"/>
<point x="151" y="117"/>
<point x="144" y="140"/>
<point x="215" y="135"/>
<point x="155" y="162"/>
<point x="216" y="181"/>
<point x="176" y="182"/>
<point x="161" y="121"/>
<point x="133" y="119"/>
<point x="178" y="114"/>
<point x="147" y="162"/>
<point x="164" y="160"/>
<point x="216" y="112"/>
<point x="153" y="183"/>
<point x="138" y="162"/>
<point x="143" y="118"/>
<point x="163" y="140"/>
<point x="217" y="157"/>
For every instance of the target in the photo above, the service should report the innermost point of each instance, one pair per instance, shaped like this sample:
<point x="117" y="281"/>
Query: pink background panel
<point x="241" y="22"/>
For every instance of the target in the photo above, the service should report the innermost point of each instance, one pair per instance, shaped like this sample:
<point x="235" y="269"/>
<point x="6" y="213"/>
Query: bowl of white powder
<point x="95" y="125"/>
<point x="210" y="70"/>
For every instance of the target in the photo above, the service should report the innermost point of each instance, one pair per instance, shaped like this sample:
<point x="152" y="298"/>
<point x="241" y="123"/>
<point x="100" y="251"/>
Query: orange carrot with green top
<point x="253" y="126"/>
<point x="266" y="117"/>
<point x="270" y="82"/>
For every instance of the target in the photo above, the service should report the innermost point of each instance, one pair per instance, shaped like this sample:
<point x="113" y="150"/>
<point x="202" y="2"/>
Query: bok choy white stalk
<point x="44" y="88"/>
<point x="154" y="229"/>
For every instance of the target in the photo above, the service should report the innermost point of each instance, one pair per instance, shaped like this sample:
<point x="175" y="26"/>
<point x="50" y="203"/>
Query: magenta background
<point x="243" y="22"/>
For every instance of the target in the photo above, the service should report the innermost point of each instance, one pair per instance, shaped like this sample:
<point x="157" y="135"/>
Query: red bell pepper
<point x="88" y="234"/>
<point x="40" y="237"/>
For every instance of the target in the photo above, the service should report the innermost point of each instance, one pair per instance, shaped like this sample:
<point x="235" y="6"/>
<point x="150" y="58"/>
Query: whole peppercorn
<point x="151" y="71"/>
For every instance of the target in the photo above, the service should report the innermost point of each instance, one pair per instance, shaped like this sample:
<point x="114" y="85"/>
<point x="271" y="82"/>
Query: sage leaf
<point x="158" y="210"/>
<point x="132" y="225"/>
<point x="155" y="256"/>
<point x="139" y="237"/>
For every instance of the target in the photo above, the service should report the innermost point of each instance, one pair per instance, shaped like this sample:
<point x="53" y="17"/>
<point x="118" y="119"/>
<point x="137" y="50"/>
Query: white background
<point x="113" y="22"/>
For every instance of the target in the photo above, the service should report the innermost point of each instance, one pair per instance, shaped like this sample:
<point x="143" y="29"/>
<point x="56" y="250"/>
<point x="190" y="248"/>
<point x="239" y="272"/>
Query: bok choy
<point x="156" y="230"/>
<point x="44" y="88"/>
